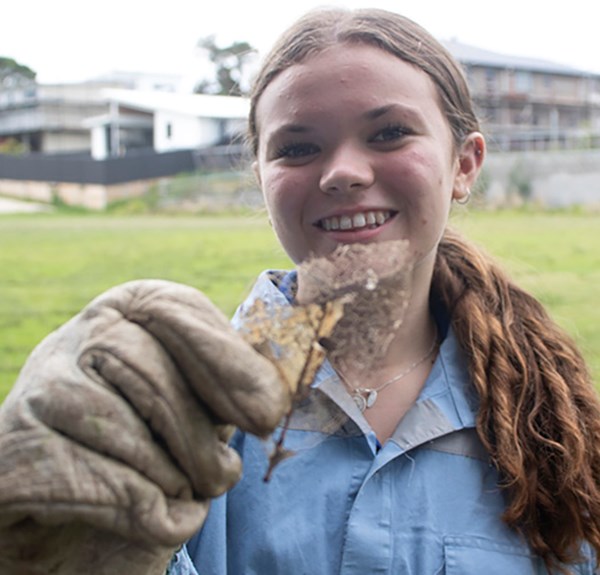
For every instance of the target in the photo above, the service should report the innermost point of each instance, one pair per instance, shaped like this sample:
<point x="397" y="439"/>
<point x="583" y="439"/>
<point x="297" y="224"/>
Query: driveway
<point x="9" y="206"/>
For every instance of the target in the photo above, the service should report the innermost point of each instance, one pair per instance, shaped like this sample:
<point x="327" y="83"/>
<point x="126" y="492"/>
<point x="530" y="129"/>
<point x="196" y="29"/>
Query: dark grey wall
<point x="81" y="168"/>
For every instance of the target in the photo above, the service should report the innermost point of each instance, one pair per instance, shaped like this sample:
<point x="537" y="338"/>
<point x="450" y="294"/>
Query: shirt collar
<point x="447" y="402"/>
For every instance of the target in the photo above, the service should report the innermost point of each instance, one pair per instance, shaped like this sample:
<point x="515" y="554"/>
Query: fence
<point x="82" y="169"/>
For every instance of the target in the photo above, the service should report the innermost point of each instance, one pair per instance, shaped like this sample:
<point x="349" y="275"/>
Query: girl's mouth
<point x="371" y="219"/>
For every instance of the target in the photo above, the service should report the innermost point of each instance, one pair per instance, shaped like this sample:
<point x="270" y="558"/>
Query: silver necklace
<point x="365" y="397"/>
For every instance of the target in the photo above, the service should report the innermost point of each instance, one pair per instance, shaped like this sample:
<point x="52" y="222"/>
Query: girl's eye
<point x="391" y="134"/>
<point x="299" y="150"/>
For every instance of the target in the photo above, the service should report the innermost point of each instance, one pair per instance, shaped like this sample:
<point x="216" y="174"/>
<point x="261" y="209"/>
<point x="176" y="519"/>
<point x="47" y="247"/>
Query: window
<point x="490" y="80"/>
<point x="522" y="82"/>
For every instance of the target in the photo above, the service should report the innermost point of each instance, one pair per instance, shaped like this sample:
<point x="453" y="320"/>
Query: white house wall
<point x="174" y="131"/>
<point x="235" y="128"/>
<point x="99" y="142"/>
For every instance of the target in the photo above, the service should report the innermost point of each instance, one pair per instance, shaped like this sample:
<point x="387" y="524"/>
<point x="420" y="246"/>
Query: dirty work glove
<point x="114" y="438"/>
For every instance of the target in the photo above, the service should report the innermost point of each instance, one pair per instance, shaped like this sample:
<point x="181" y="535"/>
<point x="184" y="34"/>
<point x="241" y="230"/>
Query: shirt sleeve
<point x="181" y="564"/>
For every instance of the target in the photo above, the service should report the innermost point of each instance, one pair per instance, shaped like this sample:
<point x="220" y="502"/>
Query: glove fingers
<point x="144" y="375"/>
<point x="99" y="418"/>
<point x="239" y="385"/>
<point x="32" y="548"/>
<point x="67" y="482"/>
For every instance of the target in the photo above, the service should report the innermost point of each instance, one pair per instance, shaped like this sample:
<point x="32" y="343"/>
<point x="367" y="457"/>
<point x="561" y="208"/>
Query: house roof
<point x="125" y="121"/>
<point x="472" y="55"/>
<point x="197" y="105"/>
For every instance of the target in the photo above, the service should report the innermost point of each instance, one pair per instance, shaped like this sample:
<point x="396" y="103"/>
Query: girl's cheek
<point x="283" y="189"/>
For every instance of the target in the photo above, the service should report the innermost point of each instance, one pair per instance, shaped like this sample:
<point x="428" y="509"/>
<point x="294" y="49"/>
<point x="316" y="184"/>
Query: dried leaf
<point x="349" y="306"/>
<point x="290" y="336"/>
<point x="377" y="275"/>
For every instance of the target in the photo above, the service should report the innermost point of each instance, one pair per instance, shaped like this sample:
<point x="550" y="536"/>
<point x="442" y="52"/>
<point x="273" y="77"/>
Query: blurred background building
<point x="116" y="136"/>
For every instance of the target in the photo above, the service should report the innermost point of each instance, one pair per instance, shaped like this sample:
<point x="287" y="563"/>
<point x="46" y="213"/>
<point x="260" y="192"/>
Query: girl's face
<point x="354" y="147"/>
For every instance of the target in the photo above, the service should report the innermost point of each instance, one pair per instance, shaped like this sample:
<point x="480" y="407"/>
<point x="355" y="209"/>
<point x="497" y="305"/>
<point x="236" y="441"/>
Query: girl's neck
<point x="388" y="324"/>
<point x="411" y="340"/>
<point x="418" y="327"/>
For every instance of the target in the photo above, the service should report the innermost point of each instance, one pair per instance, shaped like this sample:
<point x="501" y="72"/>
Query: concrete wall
<point x="550" y="179"/>
<point x="91" y="196"/>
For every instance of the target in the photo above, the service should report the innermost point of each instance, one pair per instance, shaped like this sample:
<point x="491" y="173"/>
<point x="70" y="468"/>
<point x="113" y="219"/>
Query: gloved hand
<point x="114" y="437"/>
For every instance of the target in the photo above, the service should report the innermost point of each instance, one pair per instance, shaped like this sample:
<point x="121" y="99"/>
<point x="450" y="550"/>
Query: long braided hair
<point x="539" y="416"/>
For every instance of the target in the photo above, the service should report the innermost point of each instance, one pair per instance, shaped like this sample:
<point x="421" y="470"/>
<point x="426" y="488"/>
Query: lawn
<point x="52" y="265"/>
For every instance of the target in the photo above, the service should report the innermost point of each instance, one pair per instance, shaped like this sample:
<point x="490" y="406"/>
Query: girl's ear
<point x="470" y="159"/>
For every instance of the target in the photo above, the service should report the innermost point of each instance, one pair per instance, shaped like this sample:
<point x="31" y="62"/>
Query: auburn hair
<point x="539" y="415"/>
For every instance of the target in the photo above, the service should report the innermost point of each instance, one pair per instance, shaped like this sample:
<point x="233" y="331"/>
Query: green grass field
<point x="52" y="265"/>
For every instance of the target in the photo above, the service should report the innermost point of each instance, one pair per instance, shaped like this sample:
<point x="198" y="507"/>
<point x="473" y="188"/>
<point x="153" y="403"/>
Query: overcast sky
<point x="73" y="40"/>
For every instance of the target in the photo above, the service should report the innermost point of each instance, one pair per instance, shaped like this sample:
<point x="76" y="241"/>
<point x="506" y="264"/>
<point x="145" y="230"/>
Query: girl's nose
<point x="348" y="170"/>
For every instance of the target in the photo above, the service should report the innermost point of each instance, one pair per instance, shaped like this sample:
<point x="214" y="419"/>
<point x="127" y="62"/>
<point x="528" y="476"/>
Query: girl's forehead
<point x="347" y="70"/>
<point x="352" y="56"/>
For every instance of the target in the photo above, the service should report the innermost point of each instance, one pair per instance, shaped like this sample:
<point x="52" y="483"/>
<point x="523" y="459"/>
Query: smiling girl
<point x="471" y="446"/>
<point x="483" y="458"/>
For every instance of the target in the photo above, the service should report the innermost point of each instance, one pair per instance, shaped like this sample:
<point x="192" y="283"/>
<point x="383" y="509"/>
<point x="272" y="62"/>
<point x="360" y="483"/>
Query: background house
<point x="93" y="143"/>
<point x="165" y="122"/>
<point x="531" y="104"/>
<point x="525" y="104"/>
<point x="49" y="118"/>
<point x="124" y="134"/>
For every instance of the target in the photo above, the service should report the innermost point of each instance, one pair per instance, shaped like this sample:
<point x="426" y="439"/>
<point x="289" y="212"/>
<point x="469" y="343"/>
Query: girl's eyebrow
<point x="286" y="129"/>
<point x="293" y="128"/>
<point x="383" y="110"/>
<point x="378" y="112"/>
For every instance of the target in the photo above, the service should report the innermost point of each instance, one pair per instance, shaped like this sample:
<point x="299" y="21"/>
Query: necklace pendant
<point x="360" y="401"/>
<point x="365" y="397"/>
<point x="371" y="398"/>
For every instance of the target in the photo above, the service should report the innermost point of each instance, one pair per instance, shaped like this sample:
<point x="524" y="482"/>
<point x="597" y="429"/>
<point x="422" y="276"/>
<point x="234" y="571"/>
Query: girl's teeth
<point x="345" y="223"/>
<point x="357" y="221"/>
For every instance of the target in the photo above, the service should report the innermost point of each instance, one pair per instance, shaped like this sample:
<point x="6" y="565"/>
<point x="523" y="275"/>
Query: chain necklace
<point x="365" y="397"/>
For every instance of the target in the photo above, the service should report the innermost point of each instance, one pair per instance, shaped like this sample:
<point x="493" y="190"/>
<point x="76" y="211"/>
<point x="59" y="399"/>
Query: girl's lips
<point x="369" y="219"/>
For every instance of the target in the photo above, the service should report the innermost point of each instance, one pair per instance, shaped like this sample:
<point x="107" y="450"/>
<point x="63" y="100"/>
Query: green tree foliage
<point x="229" y="63"/>
<point x="12" y="146"/>
<point x="13" y="74"/>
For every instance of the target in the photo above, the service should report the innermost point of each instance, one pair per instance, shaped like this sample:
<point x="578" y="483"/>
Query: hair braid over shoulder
<point x="539" y="414"/>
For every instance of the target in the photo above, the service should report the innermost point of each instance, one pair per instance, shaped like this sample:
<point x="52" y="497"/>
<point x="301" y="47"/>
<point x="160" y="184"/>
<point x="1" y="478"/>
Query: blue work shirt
<point x="427" y="502"/>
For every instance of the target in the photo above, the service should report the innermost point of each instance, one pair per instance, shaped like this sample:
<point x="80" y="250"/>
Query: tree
<point x="229" y="64"/>
<point x="13" y="74"/>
